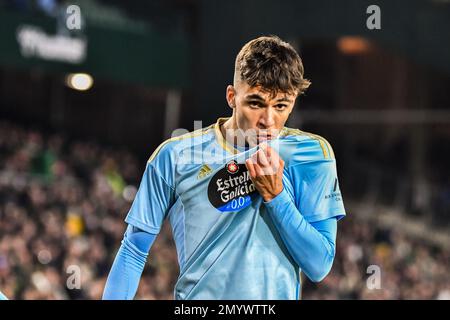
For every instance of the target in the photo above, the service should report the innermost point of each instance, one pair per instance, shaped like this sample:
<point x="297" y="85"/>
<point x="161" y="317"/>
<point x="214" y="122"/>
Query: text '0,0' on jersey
<point x="227" y="245"/>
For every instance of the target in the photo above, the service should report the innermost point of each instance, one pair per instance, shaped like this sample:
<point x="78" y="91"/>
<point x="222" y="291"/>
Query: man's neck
<point x="231" y="125"/>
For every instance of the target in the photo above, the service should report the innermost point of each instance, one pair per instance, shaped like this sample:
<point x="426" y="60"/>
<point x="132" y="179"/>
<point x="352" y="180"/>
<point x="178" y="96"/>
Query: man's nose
<point x="267" y="119"/>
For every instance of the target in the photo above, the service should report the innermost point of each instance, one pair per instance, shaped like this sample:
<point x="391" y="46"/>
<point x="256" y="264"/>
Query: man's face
<point x="258" y="115"/>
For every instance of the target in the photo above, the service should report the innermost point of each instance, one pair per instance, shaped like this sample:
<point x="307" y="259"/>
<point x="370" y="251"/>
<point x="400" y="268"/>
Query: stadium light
<point x="79" y="81"/>
<point x="350" y="45"/>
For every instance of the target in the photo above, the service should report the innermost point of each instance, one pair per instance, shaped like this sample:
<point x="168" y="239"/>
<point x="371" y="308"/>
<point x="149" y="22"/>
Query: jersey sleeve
<point x="155" y="195"/>
<point x="316" y="187"/>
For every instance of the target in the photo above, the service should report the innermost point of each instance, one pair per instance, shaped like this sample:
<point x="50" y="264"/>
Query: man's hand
<point x="266" y="171"/>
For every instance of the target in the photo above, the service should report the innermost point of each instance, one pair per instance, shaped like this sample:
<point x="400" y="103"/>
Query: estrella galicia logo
<point x="231" y="188"/>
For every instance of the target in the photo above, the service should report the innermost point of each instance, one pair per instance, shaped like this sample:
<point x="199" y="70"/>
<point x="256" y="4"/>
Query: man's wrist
<point x="271" y="196"/>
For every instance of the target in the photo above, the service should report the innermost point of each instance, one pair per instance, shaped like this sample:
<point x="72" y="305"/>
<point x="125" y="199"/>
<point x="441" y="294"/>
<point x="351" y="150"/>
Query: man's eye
<point x="254" y="104"/>
<point x="280" y="106"/>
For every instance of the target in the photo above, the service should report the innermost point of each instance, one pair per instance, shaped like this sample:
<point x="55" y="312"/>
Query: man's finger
<point x="259" y="170"/>
<point x="281" y="161"/>
<point x="263" y="153"/>
<point x="254" y="158"/>
<point x="269" y="152"/>
<point x="263" y="159"/>
<point x="250" y="167"/>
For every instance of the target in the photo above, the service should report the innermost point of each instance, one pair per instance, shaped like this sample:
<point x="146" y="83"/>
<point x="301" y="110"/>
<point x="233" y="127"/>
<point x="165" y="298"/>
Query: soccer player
<point x="251" y="202"/>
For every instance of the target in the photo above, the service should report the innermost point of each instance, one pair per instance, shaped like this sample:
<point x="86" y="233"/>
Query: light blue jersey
<point x="228" y="246"/>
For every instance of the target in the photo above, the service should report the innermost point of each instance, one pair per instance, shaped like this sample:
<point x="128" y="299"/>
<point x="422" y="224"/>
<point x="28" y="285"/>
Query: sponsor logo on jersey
<point x="231" y="188"/>
<point x="336" y="194"/>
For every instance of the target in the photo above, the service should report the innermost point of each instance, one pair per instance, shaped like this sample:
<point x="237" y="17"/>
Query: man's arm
<point x="154" y="198"/>
<point x="312" y="245"/>
<point x="123" y="279"/>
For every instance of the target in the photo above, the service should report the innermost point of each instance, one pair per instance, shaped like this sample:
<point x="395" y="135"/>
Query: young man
<point x="251" y="203"/>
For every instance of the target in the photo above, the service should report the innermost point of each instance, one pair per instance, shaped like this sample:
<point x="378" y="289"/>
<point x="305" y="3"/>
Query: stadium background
<point x="70" y="160"/>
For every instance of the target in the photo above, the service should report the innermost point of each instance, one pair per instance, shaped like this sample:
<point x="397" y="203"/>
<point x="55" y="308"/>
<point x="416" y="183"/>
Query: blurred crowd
<point x="62" y="205"/>
<point x="374" y="262"/>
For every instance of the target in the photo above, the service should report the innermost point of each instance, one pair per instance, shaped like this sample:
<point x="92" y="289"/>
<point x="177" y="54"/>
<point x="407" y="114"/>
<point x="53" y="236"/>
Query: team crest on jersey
<point x="231" y="188"/>
<point x="232" y="167"/>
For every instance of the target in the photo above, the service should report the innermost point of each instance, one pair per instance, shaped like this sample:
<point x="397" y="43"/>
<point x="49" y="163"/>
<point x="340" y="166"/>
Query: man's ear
<point x="231" y="96"/>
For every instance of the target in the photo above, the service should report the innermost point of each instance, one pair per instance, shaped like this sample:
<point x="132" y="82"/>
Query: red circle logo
<point x="232" y="167"/>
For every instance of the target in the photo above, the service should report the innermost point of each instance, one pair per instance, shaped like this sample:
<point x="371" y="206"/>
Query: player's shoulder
<point x="305" y="145"/>
<point x="173" y="146"/>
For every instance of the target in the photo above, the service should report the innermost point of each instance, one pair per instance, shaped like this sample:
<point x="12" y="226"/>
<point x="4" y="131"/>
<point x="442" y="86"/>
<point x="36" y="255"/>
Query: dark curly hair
<point x="273" y="64"/>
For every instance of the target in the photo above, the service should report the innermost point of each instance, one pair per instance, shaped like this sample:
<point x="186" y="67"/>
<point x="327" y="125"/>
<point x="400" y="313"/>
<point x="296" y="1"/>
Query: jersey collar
<point x="221" y="140"/>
